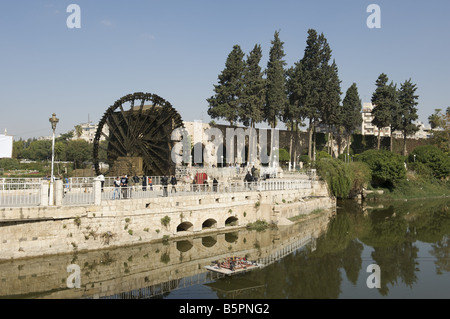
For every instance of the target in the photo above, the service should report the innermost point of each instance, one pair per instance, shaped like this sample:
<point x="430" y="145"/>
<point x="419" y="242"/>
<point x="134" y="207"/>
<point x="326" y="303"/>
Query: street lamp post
<point x="53" y="120"/>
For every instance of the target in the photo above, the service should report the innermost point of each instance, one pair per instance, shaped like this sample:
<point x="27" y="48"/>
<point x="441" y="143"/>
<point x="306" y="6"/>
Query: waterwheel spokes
<point x="139" y="130"/>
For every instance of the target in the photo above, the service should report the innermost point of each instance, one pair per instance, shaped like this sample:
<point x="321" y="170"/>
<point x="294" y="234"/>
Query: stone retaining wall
<point x="30" y="232"/>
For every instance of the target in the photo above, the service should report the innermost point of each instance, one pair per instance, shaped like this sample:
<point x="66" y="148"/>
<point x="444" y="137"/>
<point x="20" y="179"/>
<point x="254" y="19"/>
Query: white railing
<point x="16" y="194"/>
<point x="183" y="189"/>
<point x="81" y="191"/>
<point x="78" y="193"/>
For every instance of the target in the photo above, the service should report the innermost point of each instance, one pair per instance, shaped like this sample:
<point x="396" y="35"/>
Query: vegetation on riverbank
<point x="422" y="174"/>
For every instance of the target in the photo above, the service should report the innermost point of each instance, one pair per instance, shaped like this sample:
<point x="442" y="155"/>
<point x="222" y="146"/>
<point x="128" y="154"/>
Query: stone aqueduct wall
<point x="30" y="232"/>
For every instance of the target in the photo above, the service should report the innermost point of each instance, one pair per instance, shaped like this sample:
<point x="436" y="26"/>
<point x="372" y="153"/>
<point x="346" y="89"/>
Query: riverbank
<point x="409" y="190"/>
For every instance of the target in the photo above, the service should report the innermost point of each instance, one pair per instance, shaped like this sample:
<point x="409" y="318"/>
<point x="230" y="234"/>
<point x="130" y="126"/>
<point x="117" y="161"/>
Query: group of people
<point x="165" y="182"/>
<point x="122" y="188"/>
<point x="121" y="185"/>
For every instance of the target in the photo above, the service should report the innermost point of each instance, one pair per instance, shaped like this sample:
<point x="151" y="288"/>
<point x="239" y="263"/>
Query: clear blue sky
<point x="176" y="49"/>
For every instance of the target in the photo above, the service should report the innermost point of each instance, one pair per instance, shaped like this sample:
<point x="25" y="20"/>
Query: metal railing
<point x="80" y="191"/>
<point x="183" y="189"/>
<point x="19" y="194"/>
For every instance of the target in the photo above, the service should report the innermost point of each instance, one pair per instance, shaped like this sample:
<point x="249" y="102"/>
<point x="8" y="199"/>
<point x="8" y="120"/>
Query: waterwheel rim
<point x="138" y="125"/>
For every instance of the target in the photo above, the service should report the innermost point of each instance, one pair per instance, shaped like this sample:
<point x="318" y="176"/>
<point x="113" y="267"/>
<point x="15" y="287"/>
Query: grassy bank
<point x="413" y="189"/>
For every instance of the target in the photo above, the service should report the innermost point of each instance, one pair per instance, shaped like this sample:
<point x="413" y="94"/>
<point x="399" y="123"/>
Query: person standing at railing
<point x="150" y="183"/>
<point x="124" y="186"/>
<point x="215" y="183"/>
<point x="164" y="183"/>
<point x="116" y="188"/>
<point x="144" y="183"/>
<point x="173" y="181"/>
<point x="101" y="178"/>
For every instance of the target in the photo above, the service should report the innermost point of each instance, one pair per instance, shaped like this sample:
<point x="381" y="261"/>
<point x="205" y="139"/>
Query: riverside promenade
<point x="84" y="216"/>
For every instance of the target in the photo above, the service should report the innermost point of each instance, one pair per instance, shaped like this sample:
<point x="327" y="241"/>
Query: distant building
<point x="367" y="128"/>
<point x="88" y="131"/>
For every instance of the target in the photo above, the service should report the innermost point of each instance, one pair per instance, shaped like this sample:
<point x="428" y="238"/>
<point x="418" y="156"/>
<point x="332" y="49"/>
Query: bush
<point x="361" y="175"/>
<point x="305" y="160"/>
<point x="322" y="154"/>
<point x="431" y="157"/>
<point x="338" y="176"/>
<point x="387" y="168"/>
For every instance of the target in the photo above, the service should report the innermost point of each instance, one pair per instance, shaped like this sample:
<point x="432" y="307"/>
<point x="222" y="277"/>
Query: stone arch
<point x="232" y="221"/>
<point x="209" y="223"/>
<point x="185" y="226"/>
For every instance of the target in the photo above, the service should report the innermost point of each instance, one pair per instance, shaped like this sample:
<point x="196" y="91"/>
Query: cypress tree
<point x="310" y="64"/>
<point x="276" y="97"/>
<point x="351" y="112"/>
<point x="330" y="107"/>
<point x="226" y="101"/>
<point x="382" y="101"/>
<point x="253" y="98"/>
<point x="254" y="94"/>
<point x="407" y="102"/>
<point x="292" y="114"/>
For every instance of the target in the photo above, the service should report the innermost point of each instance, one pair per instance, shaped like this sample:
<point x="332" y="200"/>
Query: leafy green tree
<point x="387" y="168"/>
<point x="78" y="131"/>
<point x="351" y="112"/>
<point x="441" y="138"/>
<point x="407" y="112"/>
<point x="337" y="175"/>
<point x="432" y="157"/>
<point x="435" y="119"/>
<point x="226" y="101"/>
<point x="78" y="151"/>
<point x="38" y="150"/>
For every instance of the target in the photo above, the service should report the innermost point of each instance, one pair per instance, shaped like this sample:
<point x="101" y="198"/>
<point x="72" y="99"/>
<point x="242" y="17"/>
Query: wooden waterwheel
<point x="138" y="125"/>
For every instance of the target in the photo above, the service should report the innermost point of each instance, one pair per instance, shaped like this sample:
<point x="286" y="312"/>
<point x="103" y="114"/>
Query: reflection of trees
<point x="392" y="233"/>
<point x="441" y="250"/>
<point x="394" y="252"/>
<point x="352" y="261"/>
<point x="396" y="262"/>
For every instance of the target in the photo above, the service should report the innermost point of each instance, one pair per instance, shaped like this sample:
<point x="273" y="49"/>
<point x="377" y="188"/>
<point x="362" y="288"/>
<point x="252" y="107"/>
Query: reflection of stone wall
<point x="114" y="271"/>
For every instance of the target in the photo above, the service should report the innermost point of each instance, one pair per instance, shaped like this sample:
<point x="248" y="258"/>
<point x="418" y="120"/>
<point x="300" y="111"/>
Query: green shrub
<point x="337" y="174"/>
<point x="361" y="176"/>
<point x="431" y="157"/>
<point x="305" y="160"/>
<point x="387" y="168"/>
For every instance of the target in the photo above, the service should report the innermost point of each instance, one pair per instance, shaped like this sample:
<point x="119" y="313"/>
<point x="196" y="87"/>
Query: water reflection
<point x="325" y="256"/>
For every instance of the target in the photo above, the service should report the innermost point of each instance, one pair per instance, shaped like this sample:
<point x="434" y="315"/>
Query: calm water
<point x="324" y="257"/>
<point x="410" y="241"/>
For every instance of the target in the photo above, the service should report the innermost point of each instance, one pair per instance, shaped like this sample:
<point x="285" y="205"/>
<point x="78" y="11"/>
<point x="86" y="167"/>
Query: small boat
<point x="233" y="265"/>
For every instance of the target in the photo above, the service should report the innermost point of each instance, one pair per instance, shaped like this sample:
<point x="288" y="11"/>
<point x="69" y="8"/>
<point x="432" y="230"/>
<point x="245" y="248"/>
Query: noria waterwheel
<point x="138" y="125"/>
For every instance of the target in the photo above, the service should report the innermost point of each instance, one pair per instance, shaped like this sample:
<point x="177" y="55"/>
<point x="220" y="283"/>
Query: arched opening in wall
<point x="231" y="221"/>
<point x="231" y="237"/>
<point x="209" y="241"/>
<point x="209" y="223"/>
<point x="184" y="245"/>
<point x="185" y="226"/>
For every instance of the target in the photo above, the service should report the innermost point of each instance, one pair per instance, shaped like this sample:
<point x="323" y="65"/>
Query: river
<point x="401" y="250"/>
